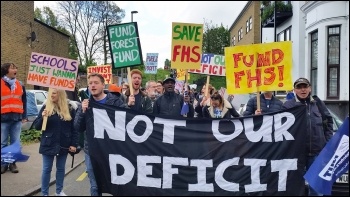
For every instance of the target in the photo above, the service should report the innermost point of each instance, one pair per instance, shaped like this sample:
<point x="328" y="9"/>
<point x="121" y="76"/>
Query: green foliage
<point x="82" y="69"/>
<point x="215" y="39"/>
<point x="161" y="73"/>
<point x="47" y="16"/>
<point x="269" y="7"/>
<point x="30" y="136"/>
<point x="87" y="22"/>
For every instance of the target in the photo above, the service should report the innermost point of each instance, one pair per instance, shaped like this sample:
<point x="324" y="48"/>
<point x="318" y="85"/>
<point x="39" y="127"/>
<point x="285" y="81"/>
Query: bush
<point x="30" y="136"/>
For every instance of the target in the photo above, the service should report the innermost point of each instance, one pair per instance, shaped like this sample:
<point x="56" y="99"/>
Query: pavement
<point x="27" y="181"/>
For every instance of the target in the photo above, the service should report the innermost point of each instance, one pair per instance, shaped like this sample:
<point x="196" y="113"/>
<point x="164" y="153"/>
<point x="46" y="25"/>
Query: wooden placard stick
<point x="43" y="127"/>
<point x="130" y="82"/>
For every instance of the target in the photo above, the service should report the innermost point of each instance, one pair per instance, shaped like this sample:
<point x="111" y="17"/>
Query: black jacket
<point x="59" y="134"/>
<point x="317" y="136"/>
<point x="146" y="102"/>
<point x="80" y="121"/>
<point x="171" y="104"/>
<point x="199" y="108"/>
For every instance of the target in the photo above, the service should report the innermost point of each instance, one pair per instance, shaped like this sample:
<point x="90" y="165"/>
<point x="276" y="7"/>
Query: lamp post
<point x="132" y="13"/>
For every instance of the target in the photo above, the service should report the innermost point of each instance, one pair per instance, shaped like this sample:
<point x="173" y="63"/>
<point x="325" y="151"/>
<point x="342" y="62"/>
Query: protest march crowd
<point x="157" y="98"/>
<point x="148" y="130"/>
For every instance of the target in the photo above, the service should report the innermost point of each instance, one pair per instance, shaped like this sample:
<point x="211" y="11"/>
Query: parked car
<point x="35" y="101"/>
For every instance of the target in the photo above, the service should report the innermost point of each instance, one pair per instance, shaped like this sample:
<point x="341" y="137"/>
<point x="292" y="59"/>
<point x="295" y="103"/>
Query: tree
<point x="215" y="39"/>
<point x="86" y="20"/>
<point x="47" y="16"/>
<point x="110" y="14"/>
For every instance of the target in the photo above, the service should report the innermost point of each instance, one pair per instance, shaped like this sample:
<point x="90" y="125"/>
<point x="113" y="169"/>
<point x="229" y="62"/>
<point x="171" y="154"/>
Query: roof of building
<point x="48" y="26"/>
<point x="240" y="14"/>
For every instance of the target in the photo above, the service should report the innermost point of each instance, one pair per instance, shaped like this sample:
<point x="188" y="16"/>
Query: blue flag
<point x="12" y="153"/>
<point x="185" y="109"/>
<point x="331" y="163"/>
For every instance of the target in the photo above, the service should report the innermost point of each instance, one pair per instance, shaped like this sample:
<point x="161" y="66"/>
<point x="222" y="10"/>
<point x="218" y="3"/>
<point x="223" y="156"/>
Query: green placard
<point x="124" y="45"/>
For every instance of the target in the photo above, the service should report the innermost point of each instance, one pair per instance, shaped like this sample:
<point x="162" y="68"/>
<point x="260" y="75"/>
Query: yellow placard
<point x="259" y="67"/>
<point x="186" y="46"/>
<point x="180" y="74"/>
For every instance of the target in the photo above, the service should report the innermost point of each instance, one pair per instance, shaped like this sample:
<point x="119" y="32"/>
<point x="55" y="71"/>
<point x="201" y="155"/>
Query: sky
<point x="154" y="19"/>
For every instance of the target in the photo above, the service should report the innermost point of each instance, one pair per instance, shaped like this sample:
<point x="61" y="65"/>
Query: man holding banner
<point x="171" y="103"/>
<point x="96" y="89"/>
<point x="317" y="135"/>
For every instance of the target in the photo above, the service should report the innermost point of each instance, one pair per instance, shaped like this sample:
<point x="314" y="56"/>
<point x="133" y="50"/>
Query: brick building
<point x="18" y="41"/>
<point x="246" y="28"/>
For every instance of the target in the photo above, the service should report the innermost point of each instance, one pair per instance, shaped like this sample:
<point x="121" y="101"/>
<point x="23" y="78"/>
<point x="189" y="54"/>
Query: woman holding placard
<point x="58" y="139"/>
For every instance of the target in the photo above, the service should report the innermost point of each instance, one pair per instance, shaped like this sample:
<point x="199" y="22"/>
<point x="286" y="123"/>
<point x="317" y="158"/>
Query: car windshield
<point x="337" y="122"/>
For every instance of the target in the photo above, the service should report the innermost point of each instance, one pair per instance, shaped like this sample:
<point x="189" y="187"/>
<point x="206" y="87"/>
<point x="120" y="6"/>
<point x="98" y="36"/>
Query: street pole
<point x="132" y="14"/>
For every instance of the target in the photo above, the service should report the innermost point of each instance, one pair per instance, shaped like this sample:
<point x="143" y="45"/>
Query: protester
<point x="125" y="87"/>
<point x="114" y="89"/>
<point x="139" y="101"/>
<point x="189" y="92"/>
<point x="268" y="103"/>
<point x="13" y="110"/>
<point x="159" y="88"/>
<point x="74" y="95"/>
<point x="96" y="86"/>
<point x="219" y="108"/>
<point x="171" y="103"/>
<point x="202" y="100"/>
<point x="317" y="134"/>
<point x="58" y="139"/>
<point x="151" y="87"/>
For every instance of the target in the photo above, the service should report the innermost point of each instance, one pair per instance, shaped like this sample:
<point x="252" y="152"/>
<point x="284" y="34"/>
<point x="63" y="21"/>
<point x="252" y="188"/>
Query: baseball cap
<point x="301" y="81"/>
<point x="168" y="79"/>
<point x="114" y="88"/>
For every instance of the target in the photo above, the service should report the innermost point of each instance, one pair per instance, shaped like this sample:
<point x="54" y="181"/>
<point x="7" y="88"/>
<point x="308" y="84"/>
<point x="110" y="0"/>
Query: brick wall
<point x="253" y="36"/>
<point x="17" y="22"/>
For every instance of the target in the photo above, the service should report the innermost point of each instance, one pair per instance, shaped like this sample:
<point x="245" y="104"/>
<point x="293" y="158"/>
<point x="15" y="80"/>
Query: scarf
<point x="12" y="82"/>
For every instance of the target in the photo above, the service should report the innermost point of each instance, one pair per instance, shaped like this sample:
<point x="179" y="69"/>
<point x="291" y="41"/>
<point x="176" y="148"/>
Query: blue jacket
<point x="59" y="134"/>
<point x="317" y="136"/>
<point x="275" y="105"/>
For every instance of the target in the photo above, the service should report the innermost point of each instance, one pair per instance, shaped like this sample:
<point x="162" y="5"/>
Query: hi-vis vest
<point x="11" y="102"/>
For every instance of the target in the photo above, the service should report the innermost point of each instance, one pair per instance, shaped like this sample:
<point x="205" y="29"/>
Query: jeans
<point x="91" y="175"/>
<point x="10" y="129"/>
<point x="309" y="161"/>
<point x="46" y="173"/>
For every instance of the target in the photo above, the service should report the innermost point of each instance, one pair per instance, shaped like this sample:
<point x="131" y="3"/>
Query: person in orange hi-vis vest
<point x="13" y="110"/>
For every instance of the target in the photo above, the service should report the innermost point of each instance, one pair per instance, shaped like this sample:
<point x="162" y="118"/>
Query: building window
<point x="250" y="23"/>
<point x="239" y="35"/>
<point x="233" y="41"/>
<point x="314" y="58"/>
<point x="285" y="35"/>
<point x="247" y="26"/>
<point x="333" y="62"/>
